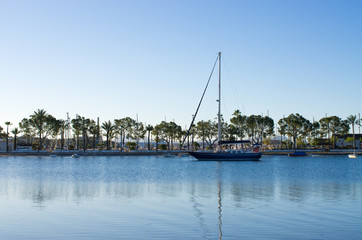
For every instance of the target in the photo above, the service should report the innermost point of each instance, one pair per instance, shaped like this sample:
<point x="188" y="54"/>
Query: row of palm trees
<point x="14" y="131"/>
<point x="41" y="125"/>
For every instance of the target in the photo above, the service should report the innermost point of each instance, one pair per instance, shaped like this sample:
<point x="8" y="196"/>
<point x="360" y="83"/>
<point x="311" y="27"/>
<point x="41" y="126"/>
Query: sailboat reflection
<point x="219" y="207"/>
<point x="199" y="214"/>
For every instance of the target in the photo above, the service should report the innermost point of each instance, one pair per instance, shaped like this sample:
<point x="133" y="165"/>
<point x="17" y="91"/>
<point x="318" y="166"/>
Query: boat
<point x="231" y="155"/>
<point x="353" y="155"/>
<point x="219" y="154"/>
<point x="75" y="155"/>
<point x="317" y="155"/>
<point x="298" y="154"/>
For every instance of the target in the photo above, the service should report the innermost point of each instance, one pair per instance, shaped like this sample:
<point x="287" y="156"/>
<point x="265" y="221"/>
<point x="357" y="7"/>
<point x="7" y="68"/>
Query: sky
<point x="152" y="59"/>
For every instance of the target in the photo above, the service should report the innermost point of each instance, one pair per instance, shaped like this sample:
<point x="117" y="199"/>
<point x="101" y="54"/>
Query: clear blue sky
<point x="112" y="59"/>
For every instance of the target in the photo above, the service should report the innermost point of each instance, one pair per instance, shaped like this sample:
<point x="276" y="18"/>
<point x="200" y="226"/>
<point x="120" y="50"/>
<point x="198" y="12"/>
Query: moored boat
<point x="298" y="154"/>
<point x="233" y="155"/>
<point x="228" y="155"/>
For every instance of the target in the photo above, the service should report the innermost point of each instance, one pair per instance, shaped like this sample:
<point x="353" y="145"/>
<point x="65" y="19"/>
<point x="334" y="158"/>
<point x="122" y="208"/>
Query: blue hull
<point x="297" y="154"/>
<point x="226" y="156"/>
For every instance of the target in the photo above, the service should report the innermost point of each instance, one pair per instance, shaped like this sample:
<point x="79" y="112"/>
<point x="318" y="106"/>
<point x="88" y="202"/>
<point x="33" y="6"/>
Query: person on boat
<point x="218" y="149"/>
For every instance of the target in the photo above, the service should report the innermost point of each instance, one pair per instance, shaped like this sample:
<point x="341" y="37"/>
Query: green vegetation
<point x="41" y="130"/>
<point x="352" y="119"/>
<point x="131" y="145"/>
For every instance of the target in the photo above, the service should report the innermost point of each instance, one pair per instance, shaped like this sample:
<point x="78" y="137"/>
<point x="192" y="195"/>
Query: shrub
<point x="196" y="146"/>
<point x="162" y="146"/>
<point x="131" y="145"/>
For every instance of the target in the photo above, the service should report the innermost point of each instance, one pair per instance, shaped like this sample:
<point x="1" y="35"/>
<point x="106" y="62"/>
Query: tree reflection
<point x="40" y="192"/>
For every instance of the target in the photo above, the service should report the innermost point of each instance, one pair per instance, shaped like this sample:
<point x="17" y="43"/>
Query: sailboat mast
<point x="219" y="111"/>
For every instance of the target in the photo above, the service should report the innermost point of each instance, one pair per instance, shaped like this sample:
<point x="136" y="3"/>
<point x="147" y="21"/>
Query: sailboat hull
<point x="226" y="156"/>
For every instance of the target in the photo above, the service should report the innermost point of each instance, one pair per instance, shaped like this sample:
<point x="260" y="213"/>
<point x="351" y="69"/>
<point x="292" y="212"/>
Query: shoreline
<point x="82" y="153"/>
<point x="155" y="153"/>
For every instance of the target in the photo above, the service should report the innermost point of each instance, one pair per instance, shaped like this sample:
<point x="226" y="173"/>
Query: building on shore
<point x="346" y="141"/>
<point x="3" y="146"/>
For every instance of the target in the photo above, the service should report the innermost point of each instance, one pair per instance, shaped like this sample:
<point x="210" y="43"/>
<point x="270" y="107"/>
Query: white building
<point x="341" y="141"/>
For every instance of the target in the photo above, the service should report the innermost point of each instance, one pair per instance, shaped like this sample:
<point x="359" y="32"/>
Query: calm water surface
<point x="179" y="198"/>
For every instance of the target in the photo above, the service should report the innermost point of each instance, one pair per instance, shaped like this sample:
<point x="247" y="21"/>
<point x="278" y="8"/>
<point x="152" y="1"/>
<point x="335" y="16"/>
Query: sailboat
<point x="353" y="155"/>
<point x="230" y="154"/>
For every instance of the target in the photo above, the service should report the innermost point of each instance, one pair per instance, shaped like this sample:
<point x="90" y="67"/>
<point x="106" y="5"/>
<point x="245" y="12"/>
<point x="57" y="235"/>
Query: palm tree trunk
<point x="61" y="141"/>
<point x="148" y="141"/>
<point x="40" y="142"/>
<point x="7" y="140"/>
<point x="14" y="142"/>
<point x="354" y="141"/>
<point x="295" y="142"/>
<point x="83" y="142"/>
<point x="107" y="141"/>
<point x="192" y="142"/>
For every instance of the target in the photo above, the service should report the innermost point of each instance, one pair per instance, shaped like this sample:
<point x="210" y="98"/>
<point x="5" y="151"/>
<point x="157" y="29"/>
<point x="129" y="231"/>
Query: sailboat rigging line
<point x="202" y="97"/>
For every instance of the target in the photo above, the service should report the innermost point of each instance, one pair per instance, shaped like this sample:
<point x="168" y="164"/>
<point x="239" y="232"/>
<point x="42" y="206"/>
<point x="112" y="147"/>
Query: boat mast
<point x="219" y="111"/>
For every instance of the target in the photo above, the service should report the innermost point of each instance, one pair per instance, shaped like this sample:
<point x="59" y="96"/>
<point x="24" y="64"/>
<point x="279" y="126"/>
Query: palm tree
<point x="7" y="135"/>
<point x="85" y="128"/>
<point x="109" y="128"/>
<point x="38" y="120"/>
<point x="77" y="129"/>
<point x="239" y="121"/>
<point x="138" y="132"/>
<point x="282" y="131"/>
<point x="352" y="119"/>
<point x="63" y="127"/>
<point x="125" y="127"/>
<point x="2" y="134"/>
<point x="94" y="130"/>
<point x="172" y="130"/>
<point x="251" y="126"/>
<point x="314" y="132"/>
<point x="325" y="127"/>
<point x="26" y="128"/>
<point x="54" y="129"/>
<point x="201" y="127"/>
<point x="156" y="132"/>
<point x="81" y="126"/>
<point x="15" y="131"/>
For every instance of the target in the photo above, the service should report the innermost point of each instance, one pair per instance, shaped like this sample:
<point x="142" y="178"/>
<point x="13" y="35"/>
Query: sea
<point x="154" y="197"/>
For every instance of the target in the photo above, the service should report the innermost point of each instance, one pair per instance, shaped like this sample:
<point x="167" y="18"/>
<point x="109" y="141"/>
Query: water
<point x="178" y="198"/>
